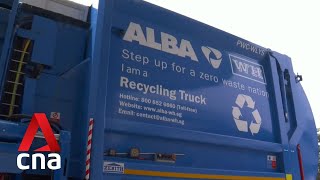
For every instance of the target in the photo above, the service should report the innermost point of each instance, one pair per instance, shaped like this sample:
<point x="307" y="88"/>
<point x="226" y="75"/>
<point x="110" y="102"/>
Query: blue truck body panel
<point x="4" y="15"/>
<point x="207" y="134"/>
<point x="6" y="3"/>
<point x="171" y="98"/>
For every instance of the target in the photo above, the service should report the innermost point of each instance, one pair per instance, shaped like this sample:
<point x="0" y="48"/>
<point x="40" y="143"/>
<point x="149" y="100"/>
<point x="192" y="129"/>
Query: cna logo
<point x="216" y="61"/>
<point x="39" y="120"/>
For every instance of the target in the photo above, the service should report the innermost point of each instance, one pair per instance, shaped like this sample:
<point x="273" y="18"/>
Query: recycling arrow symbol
<point x="242" y="124"/>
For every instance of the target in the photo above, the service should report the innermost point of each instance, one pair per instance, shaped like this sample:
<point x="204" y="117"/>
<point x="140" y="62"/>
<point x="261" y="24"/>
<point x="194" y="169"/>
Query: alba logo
<point x="216" y="62"/>
<point x="39" y="120"/>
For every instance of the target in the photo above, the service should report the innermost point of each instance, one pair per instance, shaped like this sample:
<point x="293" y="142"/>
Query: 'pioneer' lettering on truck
<point x="168" y="44"/>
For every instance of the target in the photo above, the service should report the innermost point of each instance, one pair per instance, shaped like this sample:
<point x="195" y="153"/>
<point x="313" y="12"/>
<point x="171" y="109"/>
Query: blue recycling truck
<point x="135" y="91"/>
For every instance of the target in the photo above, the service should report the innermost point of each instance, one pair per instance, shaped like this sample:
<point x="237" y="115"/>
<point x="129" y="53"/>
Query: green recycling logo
<point x="243" y="124"/>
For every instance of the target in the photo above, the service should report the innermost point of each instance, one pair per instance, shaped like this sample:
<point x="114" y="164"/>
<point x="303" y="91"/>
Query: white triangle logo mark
<point x="216" y="61"/>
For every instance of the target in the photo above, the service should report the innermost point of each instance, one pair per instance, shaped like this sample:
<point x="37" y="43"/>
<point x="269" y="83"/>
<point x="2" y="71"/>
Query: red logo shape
<point x="39" y="120"/>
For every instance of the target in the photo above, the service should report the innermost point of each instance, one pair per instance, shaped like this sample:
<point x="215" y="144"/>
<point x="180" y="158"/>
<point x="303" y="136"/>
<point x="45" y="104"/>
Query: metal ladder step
<point x="11" y="82"/>
<point x="20" y="51"/>
<point x="12" y="93"/>
<point x="17" y="72"/>
<point x="10" y="104"/>
<point x="13" y="60"/>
